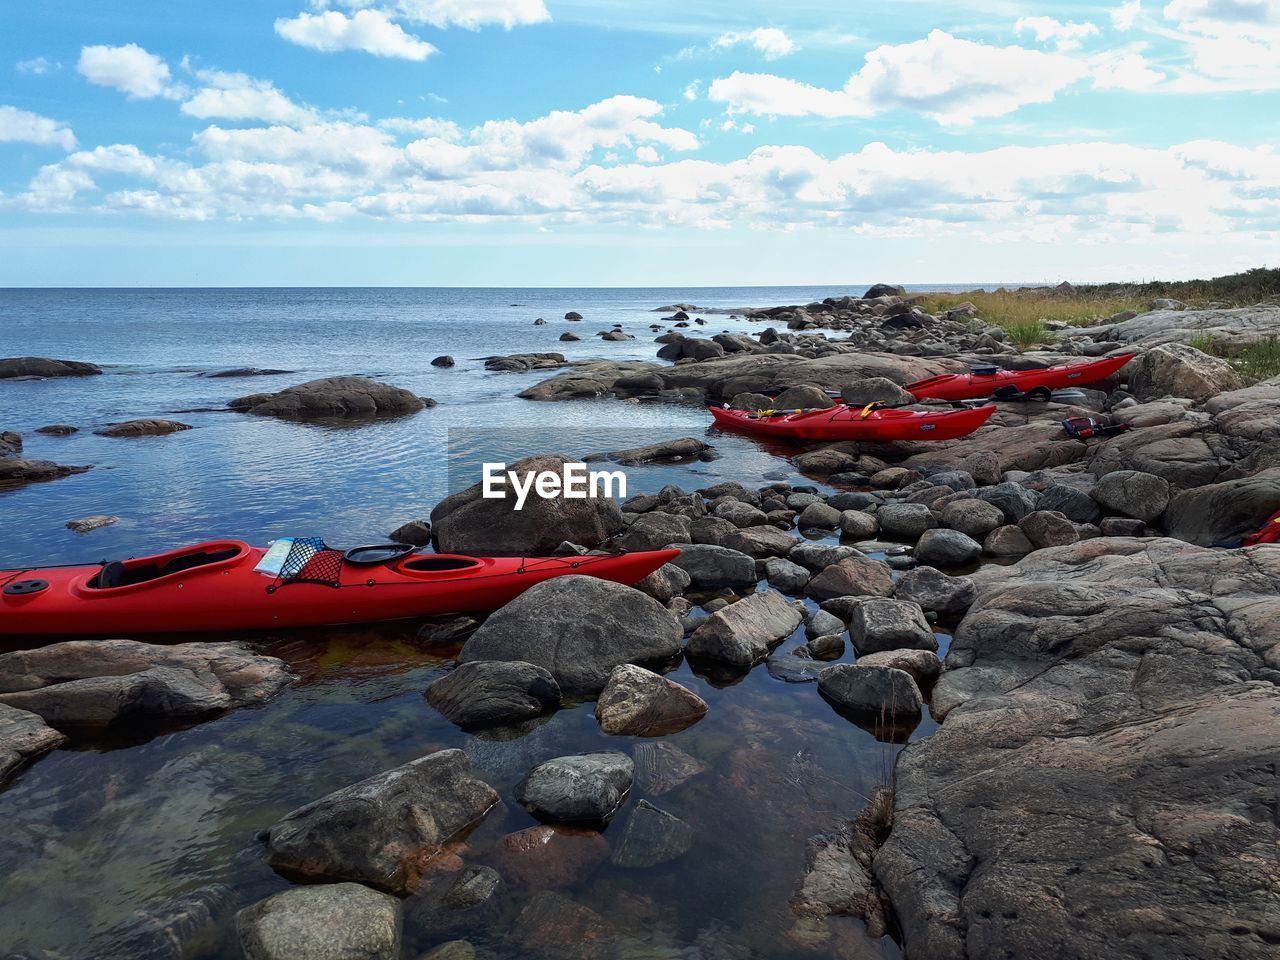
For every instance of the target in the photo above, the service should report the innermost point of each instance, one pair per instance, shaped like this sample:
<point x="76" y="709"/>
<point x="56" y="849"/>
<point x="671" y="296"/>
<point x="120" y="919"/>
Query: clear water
<point x="97" y="832"/>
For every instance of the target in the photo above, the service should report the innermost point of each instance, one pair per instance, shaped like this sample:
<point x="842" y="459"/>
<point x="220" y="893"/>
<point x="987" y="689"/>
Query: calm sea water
<point x="97" y="832"/>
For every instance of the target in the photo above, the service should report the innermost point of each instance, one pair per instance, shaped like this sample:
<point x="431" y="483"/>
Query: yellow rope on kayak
<point x="869" y="408"/>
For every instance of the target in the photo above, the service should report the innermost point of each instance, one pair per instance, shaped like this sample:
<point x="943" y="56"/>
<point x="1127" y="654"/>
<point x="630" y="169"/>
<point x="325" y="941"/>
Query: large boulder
<point x="640" y="703"/>
<point x="881" y="624"/>
<point x="947" y="548"/>
<point x="804" y="396"/>
<point x="41" y="367"/>
<point x="385" y="830"/>
<point x="470" y="523"/>
<point x="1224" y="511"/>
<point x="1180" y="370"/>
<point x="24" y="737"/>
<point x="1081" y="797"/>
<point x="485" y="693"/>
<point x="86" y="686"/>
<point x="905" y="521"/>
<point x="742" y="634"/>
<point x="577" y="628"/>
<point x="709" y="565"/>
<point x="337" y="921"/>
<point x="346" y="398"/>
<point x="653" y="531"/>
<point x="584" y="790"/>
<point x="875" y="390"/>
<point x="1132" y="493"/>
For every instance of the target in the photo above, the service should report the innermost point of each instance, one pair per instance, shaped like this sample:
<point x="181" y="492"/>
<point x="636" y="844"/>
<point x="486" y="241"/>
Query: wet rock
<point x="16" y="473"/>
<point x="174" y="928"/>
<point x="578" y="628"/>
<point x="819" y="516"/>
<point x="890" y="625"/>
<point x="1218" y="511"/>
<point x="662" y="766"/>
<point x="651" y="837"/>
<point x="818" y="556"/>
<point x="24" y="737"/>
<point x="90" y="524"/>
<point x="341" y="921"/>
<point x="681" y="450"/>
<point x="905" y="521"/>
<point x="1142" y="496"/>
<point x="871" y="692"/>
<point x="923" y="665"/>
<point x="142" y="428"/>
<point x="81" y="687"/>
<point x="947" y="548"/>
<point x="383" y="830"/>
<point x="237" y="372"/>
<point x="573" y="315"/>
<point x="448" y="631"/>
<point x="415" y="532"/>
<point x="664" y="584"/>
<point x="838" y="881"/>
<point x="546" y="856"/>
<point x="348" y="398"/>
<point x="743" y="633"/>
<point x="553" y="927"/>
<point x="786" y="576"/>
<point x="1180" y="370"/>
<point x="858" y="525"/>
<point x="10" y="443"/>
<point x="568" y="337"/>
<point x="472" y="902"/>
<point x="790" y="668"/>
<point x="469" y="523"/>
<point x="852" y="577"/>
<point x="43" y="368"/>
<point x="712" y="566"/>
<point x="1045" y="528"/>
<point x="444" y="361"/>
<point x="485" y="693"/>
<point x="760" y="542"/>
<point x="934" y="590"/>
<point x="821" y="622"/>
<point x="640" y="703"/>
<point x="828" y="646"/>
<point x="584" y="790"/>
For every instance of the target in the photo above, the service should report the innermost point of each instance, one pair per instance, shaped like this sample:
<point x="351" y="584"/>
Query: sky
<point x="645" y="143"/>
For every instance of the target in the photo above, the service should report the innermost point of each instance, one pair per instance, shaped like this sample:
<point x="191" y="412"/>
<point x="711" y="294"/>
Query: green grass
<point x="1026" y="334"/>
<point x="1007" y="308"/>
<point x="1255" y="363"/>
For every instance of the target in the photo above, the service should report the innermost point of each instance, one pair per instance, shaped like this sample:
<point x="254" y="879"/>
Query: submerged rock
<point x="485" y="693"/>
<point x="640" y="703"/>
<point x="650" y="837"/>
<point x="384" y="830"/>
<point x="24" y="737"/>
<point x="551" y="856"/>
<point x="662" y="766"/>
<point x="90" y="524"/>
<point x="470" y="523"/>
<point x="348" y="398"/>
<point x="584" y="790"/>
<point x="578" y="628"/>
<point x="186" y="925"/>
<point x="340" y="921"/>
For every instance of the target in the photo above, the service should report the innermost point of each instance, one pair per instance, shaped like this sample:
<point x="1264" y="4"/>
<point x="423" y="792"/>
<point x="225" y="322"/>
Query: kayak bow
<point x="215" y="586"/>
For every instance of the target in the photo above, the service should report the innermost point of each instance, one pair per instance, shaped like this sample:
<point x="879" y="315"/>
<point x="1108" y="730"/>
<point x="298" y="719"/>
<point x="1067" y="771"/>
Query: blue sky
<point x="538" y="142"/>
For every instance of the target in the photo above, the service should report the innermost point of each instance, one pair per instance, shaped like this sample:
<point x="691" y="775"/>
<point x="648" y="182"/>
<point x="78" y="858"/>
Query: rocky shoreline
<point x="1103" y="776"/>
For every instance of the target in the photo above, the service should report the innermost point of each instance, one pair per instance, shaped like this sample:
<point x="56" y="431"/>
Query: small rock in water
<point x="339" y="921"/>
<point x="587" y="789"/>
<point x="786" y="576"/>
<point x="89" y="524"/>
<point x="445" y="361"/>
<point x="743" y="633"/>
<point x="923" y="665"/>
<point x="568" y="337"/>
<point x="947" y="548"/>
<point x="415" y="532"/>
<point x="827" y="647"/>
<point x="651" y="837"/>
<point x="640" y="703"/>
<point x="870" y="691"/>
<point x="934" y="590"/>
<point x="485" y="693"/>
<point x="172" y="929"/>
<point x="142" y="428"/>
<point x="821" y="623"/>
<point x="573" y="315"/>
<point x="58" y="429"/>
<point x="453" y="630"/>
<point x="880" y="624"/>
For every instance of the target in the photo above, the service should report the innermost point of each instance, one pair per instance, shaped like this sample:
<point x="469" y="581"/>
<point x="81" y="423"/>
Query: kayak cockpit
<point x="439" y="563"/>
<point x="134" y="572"/>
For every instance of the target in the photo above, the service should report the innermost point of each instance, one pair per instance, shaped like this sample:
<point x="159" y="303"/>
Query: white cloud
<point x="770" y="41"/>
<point x="423" y="127"/>
<point x="691" y="91"/>
<point x="130" y="69"/>
<point x="1124" y="70"/>
<point x="37" y="66"/>
<point x="1233" y="44"/>
<point x="1066" y="36"/>
<point x="950" y="80"/>
<point x="22" y="126"/>
<point x="647" y="154"/>
<point x="237" y="96"/>
<point x="470" y="14"/>
<point x="1126" y="15"/>
<point x="366" y="30"/>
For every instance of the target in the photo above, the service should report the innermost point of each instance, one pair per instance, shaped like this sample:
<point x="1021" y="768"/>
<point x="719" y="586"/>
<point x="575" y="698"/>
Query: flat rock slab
<point x="340" y="921"/>
<point x="348" y="398"/>
<point x="385" y="830"/>
<point x="142" y="428"/>
<point x="42" y="368"/>
<point x="16" y="472"/>
<point x="1104" y="781"/>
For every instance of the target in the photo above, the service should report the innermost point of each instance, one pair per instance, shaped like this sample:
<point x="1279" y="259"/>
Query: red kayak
<point x="867" y="424"/>
<point x="227" y="585"/>
<point x="985" y="381"/>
